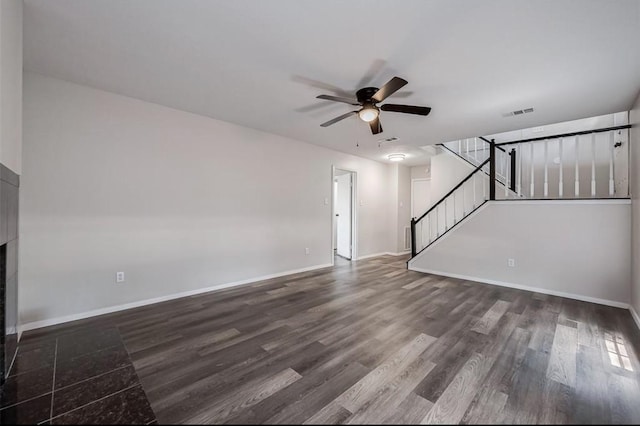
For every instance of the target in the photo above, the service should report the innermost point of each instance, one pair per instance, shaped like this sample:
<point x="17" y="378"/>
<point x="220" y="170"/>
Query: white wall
<point x="446" y="172"/>
<point x="420" y="196"/>
<point x="590" y="123"/>
<point x="634" y="134"/>
<point x="11" y="84"/>
<point x="177" y="201"/>
<point x="421" y="172"/>
<point x="403" y="205"/>
<point x="573" y="248"/>
<point x="401" y="200"/>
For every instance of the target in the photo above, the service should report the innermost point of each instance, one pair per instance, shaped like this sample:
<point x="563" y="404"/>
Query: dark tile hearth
<point x="25" y="386"/>
<point x="87" y="391"/>
<point x="127" y="407"/>
<point x="32" y="411"/>
<point x="34" y="358"/>
<point x="73" y="370"/>
<point x="82" y="377"/>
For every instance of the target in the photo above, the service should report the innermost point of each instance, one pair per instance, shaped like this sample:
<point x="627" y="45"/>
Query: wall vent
<point x="407" y="238"/>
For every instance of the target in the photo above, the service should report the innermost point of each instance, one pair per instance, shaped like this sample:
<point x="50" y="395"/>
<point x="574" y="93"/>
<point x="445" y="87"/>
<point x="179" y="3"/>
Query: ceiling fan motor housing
<point x="366" y="93"/>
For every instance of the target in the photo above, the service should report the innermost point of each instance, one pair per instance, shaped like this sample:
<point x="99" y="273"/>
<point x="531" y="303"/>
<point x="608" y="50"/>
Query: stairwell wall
<point x="571" y="248"/>
<point x="634" y="119"/>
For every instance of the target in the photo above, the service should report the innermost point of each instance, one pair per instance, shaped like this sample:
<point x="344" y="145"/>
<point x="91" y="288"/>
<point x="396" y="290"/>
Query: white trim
<point x="354" y="211"/>
<point x="402" y="253"/>
<point x="635" y="315"/>
<point x="368" y="256"/>
<point x="384" y="253"/>
<point x="567" y="201"/>
<point x="74" y="317"/>
<point x="527" y="288"/>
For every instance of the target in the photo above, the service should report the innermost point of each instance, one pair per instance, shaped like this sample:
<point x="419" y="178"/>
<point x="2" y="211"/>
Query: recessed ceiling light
<point x="395" y="157"/>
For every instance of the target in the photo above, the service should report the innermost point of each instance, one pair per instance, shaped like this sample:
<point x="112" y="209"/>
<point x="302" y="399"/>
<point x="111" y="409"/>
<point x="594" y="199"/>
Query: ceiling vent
<point x="391" y="139"/>
<point x="518" y="112"/>
<point x="387" y="140"/>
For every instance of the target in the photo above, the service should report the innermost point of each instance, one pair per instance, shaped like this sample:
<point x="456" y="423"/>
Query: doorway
<point x="343" y="214"/>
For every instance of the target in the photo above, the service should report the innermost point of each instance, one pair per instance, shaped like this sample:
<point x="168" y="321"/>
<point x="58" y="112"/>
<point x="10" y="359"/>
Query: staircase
<point x="578" y="165"/>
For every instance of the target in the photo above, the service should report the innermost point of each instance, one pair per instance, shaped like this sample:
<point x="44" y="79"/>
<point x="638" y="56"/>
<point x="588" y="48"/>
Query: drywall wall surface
<point x="177" y="201"/>
<point x="634" y="141"/>
<point x="11" y="84"/>
<point x="446" y="172"/>
<point x="589" y="123"/>
<point x="404" y="207"/>
<point x="421" y="172"/>
<point x="569" y="247"/>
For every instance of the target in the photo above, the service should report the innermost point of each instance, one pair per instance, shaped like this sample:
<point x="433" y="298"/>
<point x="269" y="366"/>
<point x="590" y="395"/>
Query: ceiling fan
<point x="368" y="97"/>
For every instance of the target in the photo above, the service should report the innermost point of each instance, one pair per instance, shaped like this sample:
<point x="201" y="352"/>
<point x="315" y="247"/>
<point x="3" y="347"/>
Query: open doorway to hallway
<point x="343" y="214"/>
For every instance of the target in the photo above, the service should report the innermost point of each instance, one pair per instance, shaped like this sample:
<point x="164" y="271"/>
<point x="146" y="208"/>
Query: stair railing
<point x="467" y="196"/>
<point x="475" y="150"/>
<point x="570" y="153"/>
<point x="586" y="160"/>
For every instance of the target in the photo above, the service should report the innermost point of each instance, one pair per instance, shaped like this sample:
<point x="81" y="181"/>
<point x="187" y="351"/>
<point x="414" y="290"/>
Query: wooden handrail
<point x="564" y="135"/>
<point x="488" y="141"/>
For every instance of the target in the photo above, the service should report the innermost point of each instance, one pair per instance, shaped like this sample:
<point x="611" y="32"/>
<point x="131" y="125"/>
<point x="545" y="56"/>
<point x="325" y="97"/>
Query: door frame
<point x="354" y="211"/>
<point x="412" y="185"/>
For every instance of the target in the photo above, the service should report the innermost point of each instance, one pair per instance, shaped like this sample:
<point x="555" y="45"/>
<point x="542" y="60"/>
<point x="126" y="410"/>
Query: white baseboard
<point x="402" y="253"/>
<point x="96" y="312"/>
<point x="635" y="316"/>
<point x="368" y="256"/>
<point x="527" y="288"/>
<point x="384" y="253"/>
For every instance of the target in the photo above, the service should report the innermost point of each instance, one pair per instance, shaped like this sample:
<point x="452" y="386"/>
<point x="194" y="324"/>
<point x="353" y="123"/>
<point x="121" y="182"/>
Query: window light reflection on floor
<point x="618" y="355"/>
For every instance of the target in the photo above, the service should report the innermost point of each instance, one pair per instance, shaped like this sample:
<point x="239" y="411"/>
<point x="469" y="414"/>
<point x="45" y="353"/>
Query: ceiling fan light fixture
<point x="368" y="114"/>
<point x="368" y="98"/>
<point x="396" y="157"/>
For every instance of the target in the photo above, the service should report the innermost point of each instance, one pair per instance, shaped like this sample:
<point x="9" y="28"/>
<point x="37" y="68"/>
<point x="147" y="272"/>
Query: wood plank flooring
<point x="371" y="342"/>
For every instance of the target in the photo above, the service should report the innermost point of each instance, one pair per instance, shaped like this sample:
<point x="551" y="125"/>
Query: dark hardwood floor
<point x="370" y="342"/>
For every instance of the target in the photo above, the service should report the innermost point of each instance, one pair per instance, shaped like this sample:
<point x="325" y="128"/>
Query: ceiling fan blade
<point x="375" y="125"/>
<point x="392" y="86"/>
<point x="338" y="99"/>
<point x="335" y="120"/>
<point x="407" y="109"/>
<point x="372" y="72"/>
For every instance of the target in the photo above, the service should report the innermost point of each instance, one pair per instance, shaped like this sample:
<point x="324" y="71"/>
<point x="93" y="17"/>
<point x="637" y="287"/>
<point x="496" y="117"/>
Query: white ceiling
<point x="260" y="64"/>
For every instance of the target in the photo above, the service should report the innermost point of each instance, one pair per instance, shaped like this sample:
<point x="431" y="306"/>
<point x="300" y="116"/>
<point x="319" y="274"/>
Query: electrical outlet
<point x="511" y="263"/>
<point x="119" y="277"/>
<point x="307" y="251"/>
